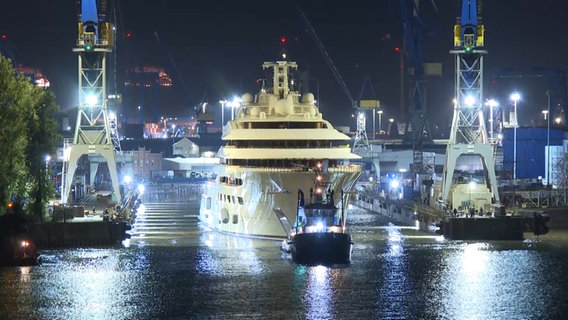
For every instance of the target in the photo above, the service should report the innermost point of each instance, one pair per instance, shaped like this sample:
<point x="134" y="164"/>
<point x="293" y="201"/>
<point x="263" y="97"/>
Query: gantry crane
<point x="93" y="130"/>
<point x="417" y="130"/>
<point x="468" y="134"/>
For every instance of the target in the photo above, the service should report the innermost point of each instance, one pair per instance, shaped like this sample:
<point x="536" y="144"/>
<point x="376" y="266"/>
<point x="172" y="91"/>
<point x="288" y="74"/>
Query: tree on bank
<point x="28" y="133"/>
<point x="42" y="139"/>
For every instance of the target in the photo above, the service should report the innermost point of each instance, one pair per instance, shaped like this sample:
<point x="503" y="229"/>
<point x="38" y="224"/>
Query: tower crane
<point x="417" y="130"/>
<point x="93" y="130"/>
<point x="468" y="135"/>
<point x="361" y="143"/>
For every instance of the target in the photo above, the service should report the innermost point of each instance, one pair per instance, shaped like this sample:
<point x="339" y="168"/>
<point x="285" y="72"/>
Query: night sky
<point x="214" y="49"/>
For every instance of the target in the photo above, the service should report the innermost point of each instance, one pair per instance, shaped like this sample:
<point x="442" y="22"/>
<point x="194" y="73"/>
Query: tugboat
<point x="16" y="249"/>
<point x="319" y="235"/>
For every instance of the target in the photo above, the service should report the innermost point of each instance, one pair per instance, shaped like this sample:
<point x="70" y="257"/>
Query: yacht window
<point x="285" y="125"/>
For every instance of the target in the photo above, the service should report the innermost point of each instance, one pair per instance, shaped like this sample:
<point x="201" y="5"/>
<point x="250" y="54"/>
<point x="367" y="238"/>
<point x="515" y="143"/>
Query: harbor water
<point x="172" y="268"/>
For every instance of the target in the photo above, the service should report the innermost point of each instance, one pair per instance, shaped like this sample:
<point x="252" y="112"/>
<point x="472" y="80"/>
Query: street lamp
<point x="491" y="103"/>
<point x="374" y="122"/>
<point x="380" y="112"/>
<point x="547" y="139"/>
<point x="236" y="103"/>
<point x="515" y="97"/>
<point x="223" y="102"/>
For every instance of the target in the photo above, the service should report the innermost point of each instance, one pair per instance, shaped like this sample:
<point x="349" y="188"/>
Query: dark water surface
<point x="174" y="269"/>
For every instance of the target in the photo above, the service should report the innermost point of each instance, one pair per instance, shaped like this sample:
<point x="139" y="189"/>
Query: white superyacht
<point x="278" y="143"/>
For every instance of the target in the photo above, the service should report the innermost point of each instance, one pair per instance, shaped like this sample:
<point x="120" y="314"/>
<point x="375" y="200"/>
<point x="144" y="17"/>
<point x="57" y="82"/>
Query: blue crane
<point x="468" y="135"/>
<point x="469" y="32"/>
<point x="417" y="131"/>
<point x="94" y="30"/>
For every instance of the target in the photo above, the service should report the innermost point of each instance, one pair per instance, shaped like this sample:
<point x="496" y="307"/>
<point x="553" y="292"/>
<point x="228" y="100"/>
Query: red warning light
<point x="128" y="35"/>
<point x="282" y="40"/>
<point x="4" y="36"/>
<point x="396" y="49"/>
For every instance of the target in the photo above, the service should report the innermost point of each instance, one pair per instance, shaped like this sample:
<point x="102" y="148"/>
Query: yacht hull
<point x="265" y="204"/>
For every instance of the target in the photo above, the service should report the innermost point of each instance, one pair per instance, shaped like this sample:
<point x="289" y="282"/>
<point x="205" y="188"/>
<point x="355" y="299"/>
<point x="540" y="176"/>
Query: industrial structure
<point x="93" y="130"/>
<point x="361" y="144"/>
<point x="417" y="129"/>
<point x="407" y="163"/>
<point x="468" y="135"/>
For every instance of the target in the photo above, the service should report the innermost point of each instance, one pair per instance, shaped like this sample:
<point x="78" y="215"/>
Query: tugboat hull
<point x="321" y="247"/>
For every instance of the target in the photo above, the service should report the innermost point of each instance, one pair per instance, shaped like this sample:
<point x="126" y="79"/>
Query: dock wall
<point x="501" y="228"/>
<point x="400" y="211"/>
<point x="80" y="234"/>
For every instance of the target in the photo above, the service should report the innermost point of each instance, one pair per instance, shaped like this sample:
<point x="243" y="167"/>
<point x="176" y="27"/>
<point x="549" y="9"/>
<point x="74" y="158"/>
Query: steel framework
<point x="93" y="130"/>
<point x="469" y="134"/>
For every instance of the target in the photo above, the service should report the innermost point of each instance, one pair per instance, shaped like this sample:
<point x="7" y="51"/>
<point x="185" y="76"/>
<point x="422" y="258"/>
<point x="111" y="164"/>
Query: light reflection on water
<point x="172" y="268"/>
<point x="319" y="293"/>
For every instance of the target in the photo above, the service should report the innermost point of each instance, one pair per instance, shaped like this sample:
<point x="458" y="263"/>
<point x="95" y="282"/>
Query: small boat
<point x="16" y="248"/>
<point x="319" y="235"/>
<point x="19" y="251"/>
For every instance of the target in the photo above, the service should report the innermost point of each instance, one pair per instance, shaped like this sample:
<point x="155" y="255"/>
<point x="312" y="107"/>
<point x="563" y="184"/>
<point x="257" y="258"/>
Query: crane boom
<point x="327" y="59"/>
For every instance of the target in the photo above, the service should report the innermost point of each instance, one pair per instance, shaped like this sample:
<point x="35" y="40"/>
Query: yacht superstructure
<point x="277" y="144"/>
